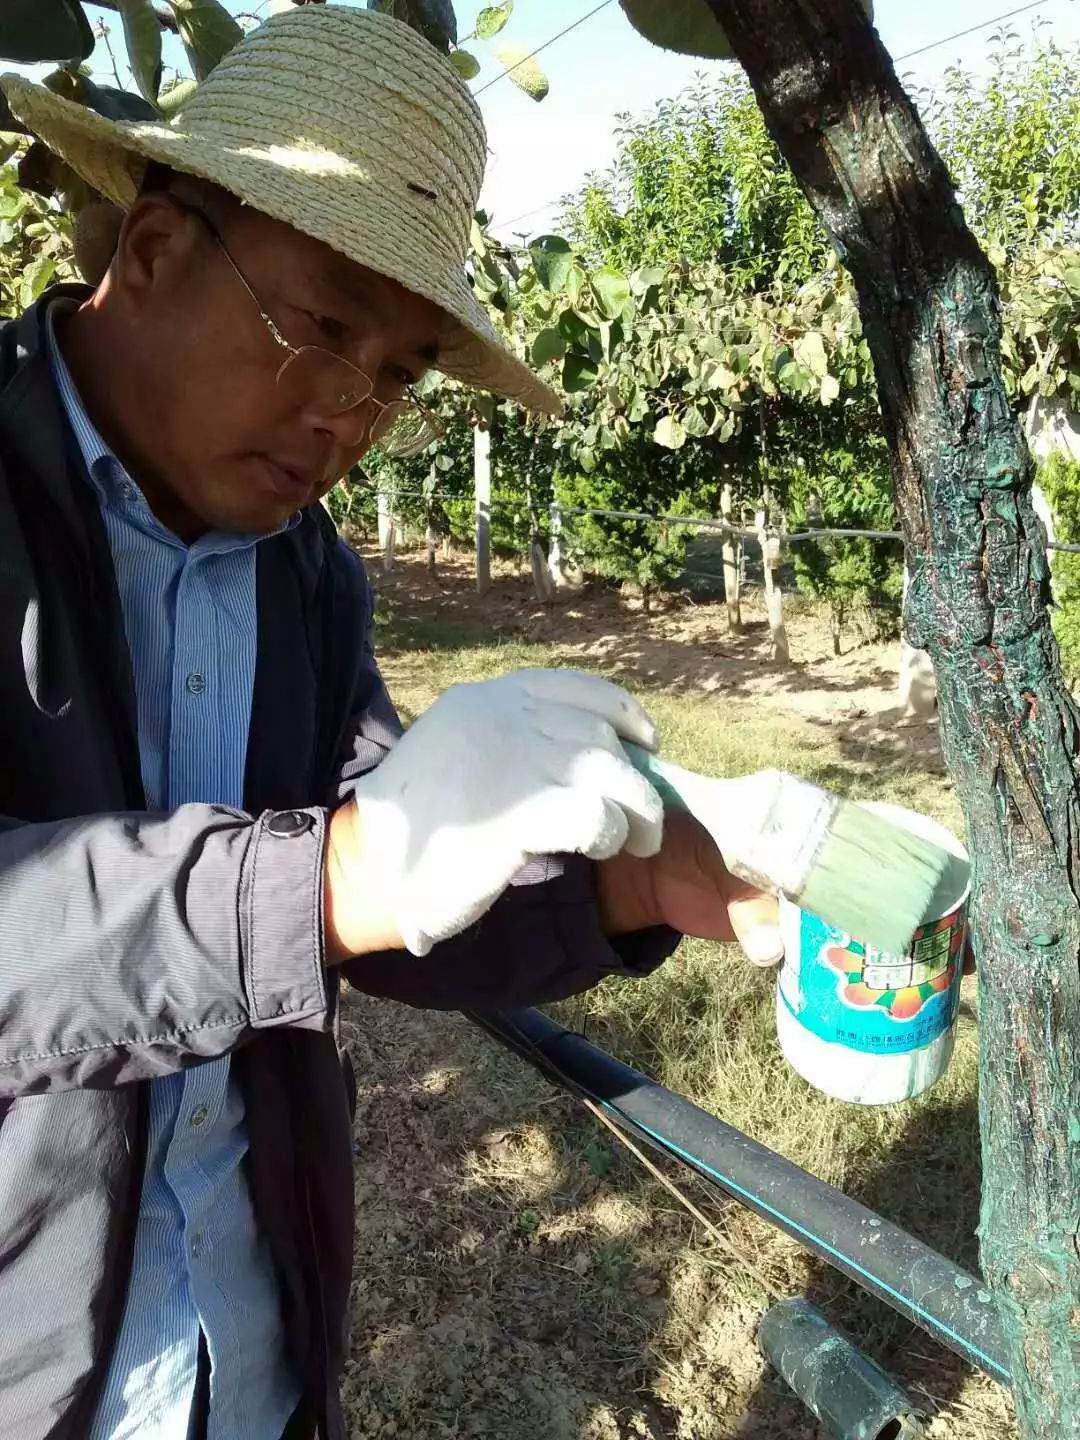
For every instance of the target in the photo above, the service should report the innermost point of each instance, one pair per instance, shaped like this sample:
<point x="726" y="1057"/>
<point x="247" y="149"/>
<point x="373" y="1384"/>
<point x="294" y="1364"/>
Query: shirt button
<point x="199" y="1117"/>
<point x="287" y="823"/>
<point x="195" y="683"/>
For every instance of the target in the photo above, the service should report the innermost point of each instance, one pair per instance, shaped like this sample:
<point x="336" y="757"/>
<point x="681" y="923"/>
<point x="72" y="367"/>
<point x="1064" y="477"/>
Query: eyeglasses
<point x="311" y="376"/>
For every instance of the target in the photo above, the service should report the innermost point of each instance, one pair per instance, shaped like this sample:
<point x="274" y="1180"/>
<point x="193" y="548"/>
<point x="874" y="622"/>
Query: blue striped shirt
<point x="200" y="1262"/>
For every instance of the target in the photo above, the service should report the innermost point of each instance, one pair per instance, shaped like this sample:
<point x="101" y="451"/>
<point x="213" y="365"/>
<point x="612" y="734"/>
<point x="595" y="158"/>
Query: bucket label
<point x="851" y="994"/>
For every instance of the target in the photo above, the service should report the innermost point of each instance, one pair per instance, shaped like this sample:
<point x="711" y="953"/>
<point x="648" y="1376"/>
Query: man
<point x="209" y="814"/>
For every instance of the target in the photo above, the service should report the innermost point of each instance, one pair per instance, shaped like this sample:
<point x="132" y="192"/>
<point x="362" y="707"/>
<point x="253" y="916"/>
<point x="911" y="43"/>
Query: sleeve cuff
<point x="281" y="919"/>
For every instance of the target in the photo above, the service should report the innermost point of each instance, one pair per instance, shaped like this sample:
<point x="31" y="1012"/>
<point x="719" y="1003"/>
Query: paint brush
<point x="856" y="870"/>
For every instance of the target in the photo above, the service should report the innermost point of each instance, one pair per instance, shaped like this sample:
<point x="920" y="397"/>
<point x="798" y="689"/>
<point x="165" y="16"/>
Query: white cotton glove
<point x="493" y="774"/>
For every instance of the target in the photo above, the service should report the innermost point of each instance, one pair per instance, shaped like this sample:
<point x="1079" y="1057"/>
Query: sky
<point x="539" y="152"/>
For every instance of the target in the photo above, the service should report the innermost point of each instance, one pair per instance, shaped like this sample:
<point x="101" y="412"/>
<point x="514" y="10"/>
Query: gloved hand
<point x="492" y="774"/>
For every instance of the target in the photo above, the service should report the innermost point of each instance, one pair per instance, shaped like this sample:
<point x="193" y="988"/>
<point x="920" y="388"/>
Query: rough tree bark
<point x="979" y="592"/>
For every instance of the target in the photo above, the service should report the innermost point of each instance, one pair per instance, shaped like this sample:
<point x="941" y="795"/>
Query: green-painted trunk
<point x="978" y="604"/>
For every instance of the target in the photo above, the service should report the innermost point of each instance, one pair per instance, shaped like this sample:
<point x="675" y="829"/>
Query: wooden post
<point x="771" y="557"/>
<point x="978" y="604"/>
<point x="431" y="533"/>
<point x="731" y="562"/>
<point x="482" y="489"/>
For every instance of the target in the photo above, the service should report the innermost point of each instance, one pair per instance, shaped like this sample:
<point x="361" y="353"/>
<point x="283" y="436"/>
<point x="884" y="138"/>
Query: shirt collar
<point x="92" y="447"/>
<point x="109" y="478"/>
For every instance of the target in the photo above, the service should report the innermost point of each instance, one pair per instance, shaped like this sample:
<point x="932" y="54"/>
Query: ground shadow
<point x="513" y="1280"/>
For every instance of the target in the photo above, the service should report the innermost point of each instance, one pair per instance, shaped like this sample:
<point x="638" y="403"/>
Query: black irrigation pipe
<point x="946" y="1301"/>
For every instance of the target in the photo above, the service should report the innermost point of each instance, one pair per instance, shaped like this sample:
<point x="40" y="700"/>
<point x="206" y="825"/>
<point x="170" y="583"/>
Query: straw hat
<point x="347" y="125"/>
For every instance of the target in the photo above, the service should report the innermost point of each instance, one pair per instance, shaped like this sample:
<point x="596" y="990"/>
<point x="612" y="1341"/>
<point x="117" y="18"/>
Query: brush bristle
<point x="874" y="879"/>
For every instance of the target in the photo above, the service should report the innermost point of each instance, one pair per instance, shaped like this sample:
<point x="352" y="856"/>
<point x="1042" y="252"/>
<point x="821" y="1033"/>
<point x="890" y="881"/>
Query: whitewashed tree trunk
<point x="917" y="687"/>
<point x="543" y="586"/>
<point x="774" y="597"/>
<point x="387" y="528"/>
<point x="563" y="575"/>
<point x="731" y="563"/>
<point x="482" y="488"/>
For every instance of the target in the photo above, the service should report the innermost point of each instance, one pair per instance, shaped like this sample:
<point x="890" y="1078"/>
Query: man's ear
<point x="156" y="249"/>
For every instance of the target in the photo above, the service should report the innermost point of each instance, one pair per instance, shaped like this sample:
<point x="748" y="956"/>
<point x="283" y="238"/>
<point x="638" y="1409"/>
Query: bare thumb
<point x="755" y="919"/>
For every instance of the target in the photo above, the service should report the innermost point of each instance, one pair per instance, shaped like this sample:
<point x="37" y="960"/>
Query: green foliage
<point x="208" y="31"/>
<point x="492" y="18"/>
<point x="522" y="69"/>
<point x="36" y="30"/>
<point x="465" y="63"/>
<point x="1059" y="478"/>
<point x="638" y="477"/>
<point x="1011" y="140"/>
<point x="699" y="182"/>
<point x="35" y="244"/>
<point x="831" y="487"/>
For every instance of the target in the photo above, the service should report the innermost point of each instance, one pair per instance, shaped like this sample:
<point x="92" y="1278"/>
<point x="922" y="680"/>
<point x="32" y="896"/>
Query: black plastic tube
<point x="949" y="1303"/>
<point x="852" y="1396"/>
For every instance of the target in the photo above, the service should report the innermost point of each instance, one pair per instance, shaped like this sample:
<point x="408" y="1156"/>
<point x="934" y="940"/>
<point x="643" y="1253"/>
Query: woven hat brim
<point x="288" y="184"/>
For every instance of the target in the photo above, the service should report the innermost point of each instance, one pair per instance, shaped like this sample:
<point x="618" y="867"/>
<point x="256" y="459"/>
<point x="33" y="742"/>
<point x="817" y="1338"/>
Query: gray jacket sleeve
<point x="133" y="944"/>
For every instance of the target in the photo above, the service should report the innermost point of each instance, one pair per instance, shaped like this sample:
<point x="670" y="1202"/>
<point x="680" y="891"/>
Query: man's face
<point x="216" y="440"/>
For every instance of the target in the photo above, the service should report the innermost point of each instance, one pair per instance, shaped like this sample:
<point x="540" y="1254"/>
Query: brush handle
<point x="767" y="826"/>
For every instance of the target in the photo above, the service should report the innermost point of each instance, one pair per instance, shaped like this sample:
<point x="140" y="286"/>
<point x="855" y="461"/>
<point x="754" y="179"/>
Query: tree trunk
<point x="979" y="592"/>
<point x="731" y="564"/>
<point x="774" y="596"/>
<point x="482" y="487"/>
<point x="387" y="527"/>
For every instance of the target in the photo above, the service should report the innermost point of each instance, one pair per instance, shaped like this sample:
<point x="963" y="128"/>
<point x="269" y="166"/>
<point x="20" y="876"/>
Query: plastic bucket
<point x="863" y="1025"/>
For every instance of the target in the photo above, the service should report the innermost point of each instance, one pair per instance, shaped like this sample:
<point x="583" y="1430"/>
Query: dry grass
<point x="519" y="1278"/>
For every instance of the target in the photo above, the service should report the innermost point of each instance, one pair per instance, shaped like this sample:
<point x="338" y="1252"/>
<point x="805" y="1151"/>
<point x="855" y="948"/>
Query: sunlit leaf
<point x="35" y="277"/>
<point x="465" y="63"/>
<point x="810" y="352"/>
<point x="523" y="70"/>
<point x="548" y="345"/>
<point x="142" y="36"/>
<point x="612" y="290"/>
<point x="172" y="101"/>
<point x="830" y="389"/>
<point x="670" y="433"/>
<point x="492" y="18"/>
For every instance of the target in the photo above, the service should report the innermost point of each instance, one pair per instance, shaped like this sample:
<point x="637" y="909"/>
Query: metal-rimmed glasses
<point x="315" y="377"/>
